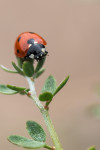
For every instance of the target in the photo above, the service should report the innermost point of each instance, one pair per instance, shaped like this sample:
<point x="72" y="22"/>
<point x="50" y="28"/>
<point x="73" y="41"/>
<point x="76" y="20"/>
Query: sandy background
<point x="72" y="31"/>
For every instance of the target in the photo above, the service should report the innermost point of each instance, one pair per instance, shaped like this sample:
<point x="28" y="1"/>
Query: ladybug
<point x="30" y="45"/>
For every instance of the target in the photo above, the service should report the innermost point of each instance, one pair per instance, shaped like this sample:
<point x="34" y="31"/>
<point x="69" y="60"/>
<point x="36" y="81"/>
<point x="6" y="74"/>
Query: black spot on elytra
<point x="19" y="39"/>
<point x="31" y="32"/>
<point x="17" y="50"/>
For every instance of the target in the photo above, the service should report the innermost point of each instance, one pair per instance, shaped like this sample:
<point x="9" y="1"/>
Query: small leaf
<point x="39" y="73"/>
<point x="19" y="61"/>
<point x="61" y="85"/>
<point x="17" y="68"/>
<point x="40" y="64"/>
<point x="92" y="148"/>
<point x="16" y="88"/>
<point x="7" y="70"/>
<point x="25" y="142"/>
<point x="5" y="90"/>
<point x="46" y="96"/>
<point x="50" y="85"/>
<point x="35" y="131"/>
<point x="28" y="68"/>
<point x="20" y="90"/>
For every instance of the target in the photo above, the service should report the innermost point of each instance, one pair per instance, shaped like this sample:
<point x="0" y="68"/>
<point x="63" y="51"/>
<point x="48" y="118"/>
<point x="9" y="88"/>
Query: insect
<point x="30" y="45"/>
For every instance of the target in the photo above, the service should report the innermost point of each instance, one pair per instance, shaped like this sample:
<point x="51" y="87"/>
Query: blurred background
<point x="72" y="31"/>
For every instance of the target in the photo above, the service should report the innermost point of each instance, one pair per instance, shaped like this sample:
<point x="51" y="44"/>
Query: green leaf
<point x="39" y="73"/>
<point x="16" y="88"/>
<point x="48" y="89"/>
<point x="46" y="96"/>
<point x="50" y="85"/>
<point x="25" y="142"/>
<point x="40" y="64"/>
<point x="92" y="148"/>
<point x="17" y="68"/>
<point x="19" y="61"/>
<point x="5" y="90"/>
<point x="20" y="90"/>
<point x="28" y="68"/>
<point x="7" y="70"/>
<point x="61" y="85"/>
<point x="36" y="131"/>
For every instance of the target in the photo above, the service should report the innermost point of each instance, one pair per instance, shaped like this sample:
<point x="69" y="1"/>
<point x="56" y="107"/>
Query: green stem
<point x="45" y="115"/>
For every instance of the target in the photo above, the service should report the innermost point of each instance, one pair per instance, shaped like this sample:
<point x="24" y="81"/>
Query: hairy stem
<point x="45" y="115"/>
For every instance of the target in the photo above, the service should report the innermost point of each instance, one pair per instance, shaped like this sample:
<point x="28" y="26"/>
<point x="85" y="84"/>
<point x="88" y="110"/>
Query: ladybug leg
<point x="36" y="57"/>
<point x="39" y="56"/>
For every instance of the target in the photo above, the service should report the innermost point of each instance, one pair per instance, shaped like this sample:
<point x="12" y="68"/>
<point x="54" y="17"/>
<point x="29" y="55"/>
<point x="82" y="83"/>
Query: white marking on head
<point x="37" y="57"/>
<point x="41" y="54"/>
<point x="31" y="56"/>
<point x="29" y="45"/>
<point x="43" y="49"/>
<point x="35" y="42"/>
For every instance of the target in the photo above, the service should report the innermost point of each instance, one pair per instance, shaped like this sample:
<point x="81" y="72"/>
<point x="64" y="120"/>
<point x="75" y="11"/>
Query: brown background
<point x="72" y="31"/>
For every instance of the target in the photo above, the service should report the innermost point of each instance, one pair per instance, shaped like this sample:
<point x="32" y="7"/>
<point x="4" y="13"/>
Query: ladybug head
<point x="36" y="50"/>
